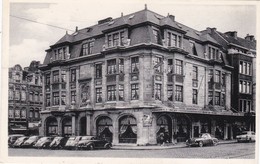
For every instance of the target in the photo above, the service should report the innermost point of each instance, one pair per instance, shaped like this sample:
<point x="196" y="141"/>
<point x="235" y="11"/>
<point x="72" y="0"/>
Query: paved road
<point x="225" y="151"/>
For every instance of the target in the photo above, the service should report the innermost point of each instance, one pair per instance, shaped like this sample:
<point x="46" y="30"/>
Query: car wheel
<point x="108" y="146"/>
<point x="215" y="143"/>
<point x="91" y="147"/>
<point x="200" y="144"/>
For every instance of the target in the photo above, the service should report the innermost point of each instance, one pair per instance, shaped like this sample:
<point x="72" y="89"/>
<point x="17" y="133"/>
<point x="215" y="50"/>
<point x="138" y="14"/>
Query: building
<point x="132" y="78"/>
<point x="242" y="54"/>
<point x="25" y="99"/>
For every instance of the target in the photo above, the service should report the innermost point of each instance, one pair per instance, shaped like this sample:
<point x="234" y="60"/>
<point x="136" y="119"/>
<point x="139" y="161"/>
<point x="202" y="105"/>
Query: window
<point x="23" y="113"/>
<point x="156" y="35"/>
<point x="17" y="113"/>
<point x="245" y="68"/>
<point x="63" y="98"/>
<point x="240" y="67"/>
<point x="217" y="98"/>
<point x="116" y="39"/>
<point x="194" y="96"/>
<point x="111" y="66"/>
<point x="48" y="100"/>
<point x="178" y="93"/>
<point x="65" y="53"/>
<point x="217" y="76"/>
<point x="134" y="92"/>
<point x="11" y="113"/>
<point x="158" y="91"/>
<point x="98" y="70"/>
<point x="213" y="53"/>
<point x="223" y="99"/>
<point x="121" y="92"/>
<point x="111" y="93"/>
<point x="37" y="97"/>
<point x="158" y="64"/>
<point x="170" y="66"/>
<point x="135" y="64"/>
<point x="55" y="76"/>
<point x="244" y="105"/>
<point x="87" y="48"/>
<point x="56" y="98"/>
<point x="240" y="86"/>
<point x="56" y="55"/>
<point x="63" y="76"/>
<point x="98" y="95"/>
<point x="178" y="67"/>
<point x="10" y="95"/>
<point x="193" y="48"/>
<point x="210" y="96"/>
<point x="170" y="92"/>
<point x="73" y="75"/>
<point x="31" y="113"/>
<point x="173" y="40"/>
<point x="60" y="51"/>
<point x="223" y="79"/>
<point x="73" y="96"/>
<point x="17" y="95"/>
<point x="248" y="87"/>
<point x="210" y="76"/>
<point x="179" y="41"/>
<point x="47" y="81"/>
<point x="195" y="73"/>
<point x="36" y="113"/>
<point x="121" y="65"/>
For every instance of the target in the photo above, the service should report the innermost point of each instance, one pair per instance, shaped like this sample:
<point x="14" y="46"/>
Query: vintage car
<point x="91" y="142"/>
<point x="204" y="139"/>
<point x="12" y="138"/>
<point x="247" y="136"/>
<point x="20" y="141"/>
<point x="72" y="142"/>
<point x="43" y="142"/>
<point x="58" y="143"/>
<point x="30" y="141"/>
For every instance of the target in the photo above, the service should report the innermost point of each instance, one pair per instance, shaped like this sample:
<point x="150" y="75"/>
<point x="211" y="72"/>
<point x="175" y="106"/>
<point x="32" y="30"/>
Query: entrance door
<point x="164" y="129"/>
<point x="196" y="131"/>
<point x="229" y="132"/>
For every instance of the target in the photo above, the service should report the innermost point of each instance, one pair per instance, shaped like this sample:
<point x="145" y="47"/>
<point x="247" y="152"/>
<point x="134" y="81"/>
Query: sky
<point x="29" y="40"/>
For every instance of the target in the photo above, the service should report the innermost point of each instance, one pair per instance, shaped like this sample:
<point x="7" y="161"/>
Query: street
<point x="223" y="151"/>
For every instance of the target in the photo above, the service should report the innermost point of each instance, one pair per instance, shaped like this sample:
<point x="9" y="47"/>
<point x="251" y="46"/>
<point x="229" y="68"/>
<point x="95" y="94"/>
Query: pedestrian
<point x="161" y="138"/>
<point x="174" y="138"/>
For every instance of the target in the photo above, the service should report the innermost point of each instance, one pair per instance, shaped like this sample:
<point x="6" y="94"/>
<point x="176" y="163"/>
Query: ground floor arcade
<point x="141" y="126"/>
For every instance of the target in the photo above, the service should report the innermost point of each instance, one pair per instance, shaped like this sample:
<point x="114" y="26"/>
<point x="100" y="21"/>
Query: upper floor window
<point x="210" y="98"/>
<point x="11" y="96"/>
<point x="115" y="39"/>
<point x="63" y="76"/>
<point x="17" y="95"/>
<point x="195" y="73"/>
<point x="213" y="53"/>
<point x="111" y="93"/>
<point x="55" y="76"/>
<point x="156" y="35"/>
<point x="98" y="70"/>
<point x="210" y="76"/>
<point x="60" y="53"/>
<point x="245" y="105"/>
<point x="170" y="66"/>
<point x="217" y="76"/>
<point x="134" y="91"/>
<point x="47" y="79"/>
<point x="73" y="75"/>
<point x="121" y="92"/>
<point x="111" y="66"/>
<point x="135" y="64"/>
<point x="217" y="98"/>
<point x="193" y="48"/>
<point x="56" y="98"/>
<point x="244" y="87"/>
<point x="178" y="67"/>
<point x="194" y="96"/>
<point x="245" y="68"/>
<point x="98" y="95"/>
<point x="11" y="113"/>
<point x="73" y="96"/>
<point x="158" y="91"/>
<point x="170" y="92"/>
<point x="121" y="65"/>
<point x="48" y="100"/>
<point x="87" y="48"/>
<point x="158" y="64"/>
<point x="178" y="93"/>
<point x="223" y="79"/>
<point x="17" y="113"/>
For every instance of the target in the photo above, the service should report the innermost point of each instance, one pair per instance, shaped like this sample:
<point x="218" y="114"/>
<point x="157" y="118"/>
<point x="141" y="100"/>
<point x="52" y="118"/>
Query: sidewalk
<point x="159" y="147"/>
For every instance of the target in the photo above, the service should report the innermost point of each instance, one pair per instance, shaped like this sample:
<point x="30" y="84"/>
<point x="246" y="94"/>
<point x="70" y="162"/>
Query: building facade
<point x="132" y="78"/>
<point x="25" y="99"/>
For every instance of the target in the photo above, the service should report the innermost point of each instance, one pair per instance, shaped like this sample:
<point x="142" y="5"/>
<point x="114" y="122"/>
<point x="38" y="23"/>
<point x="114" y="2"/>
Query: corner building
<point x="131" y="78"/>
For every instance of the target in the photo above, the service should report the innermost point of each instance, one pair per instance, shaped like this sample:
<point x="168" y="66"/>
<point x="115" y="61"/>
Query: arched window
<point x="105" y="128"/>
<point x="127" y="129"/>
<point x="67" y="126"/>
<point x="51" y="127"/>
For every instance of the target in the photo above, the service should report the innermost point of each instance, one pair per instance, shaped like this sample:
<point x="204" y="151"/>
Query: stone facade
<point x="133" y="78"/>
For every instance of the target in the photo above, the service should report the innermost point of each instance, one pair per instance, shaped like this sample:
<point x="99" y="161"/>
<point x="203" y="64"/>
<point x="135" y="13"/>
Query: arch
<point x="104" y="127"/>
<point x="51" y="125"/>
<point x="164" y="128"/>
<point x="127" y="129"/>
<point x="67" y="126"/>
<point x="82" y="126"/>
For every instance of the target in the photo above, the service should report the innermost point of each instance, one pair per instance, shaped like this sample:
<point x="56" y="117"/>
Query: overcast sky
<point x="28" y="40"/>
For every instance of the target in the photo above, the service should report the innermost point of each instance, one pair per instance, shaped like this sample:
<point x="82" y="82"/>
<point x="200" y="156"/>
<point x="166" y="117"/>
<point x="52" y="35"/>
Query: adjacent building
<point x="25" y="99"/>
<point x="132" y="78"/>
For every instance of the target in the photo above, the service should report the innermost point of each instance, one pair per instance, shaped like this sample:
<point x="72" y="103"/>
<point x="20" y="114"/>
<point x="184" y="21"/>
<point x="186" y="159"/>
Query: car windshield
<point x="21" y="138"/>
<point x="33" y="138"/>
<point x="43" y="139"/>
<point x="57" y="138"/>
<point x="204" y="135"/>
<point x="72" y="138"/>
<point x="87" y="138"/>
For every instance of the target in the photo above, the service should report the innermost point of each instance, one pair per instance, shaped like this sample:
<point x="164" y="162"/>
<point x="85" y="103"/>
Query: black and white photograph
<point x="129" y="80"/>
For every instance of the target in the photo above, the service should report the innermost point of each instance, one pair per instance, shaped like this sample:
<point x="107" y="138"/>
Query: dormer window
<point x="156" y="35"/>
<point x="213" y="53"/>
<point x="60" y="53"/>
<point x="87" y="48"/>
<point x="173" y="40"/>
<point x="193" y="49"/>
<point x="116" y="39"/>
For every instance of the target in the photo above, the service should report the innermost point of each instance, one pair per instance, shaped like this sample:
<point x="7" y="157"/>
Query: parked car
<point x="91" y="142"/>
<point x="72" y="142"/>
<point x="43" y="142"/>
<point x="30" y="141"/>
<point x="58" y="142"/>
<point x="20" y="141"/>
<point x="204" y="139"/>
<point x="12" y="138"/>
<point x="247" y="136"/>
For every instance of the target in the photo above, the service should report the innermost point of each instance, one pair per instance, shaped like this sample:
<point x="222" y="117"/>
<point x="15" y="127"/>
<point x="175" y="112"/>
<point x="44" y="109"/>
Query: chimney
<point x="76" y="29"/>
<point x="172" y="17"/>
<point x="232" y="34"/>
<point x="250" y="37"/>
<point x="122" y="14"/>
<point x="210" y="30"/>
<point x="145" y="6"/>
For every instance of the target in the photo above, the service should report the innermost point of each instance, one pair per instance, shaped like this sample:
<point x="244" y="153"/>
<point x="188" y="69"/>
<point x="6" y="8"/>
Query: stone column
<point x="213" y="127"/>
<point x="59" y="125"/>
<point x="116" y="130"/>
<point x="88" y="131"/>
<point x="225" y="131"/>
<point x="73" y="125"/>
<point x="152" y="131"/>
